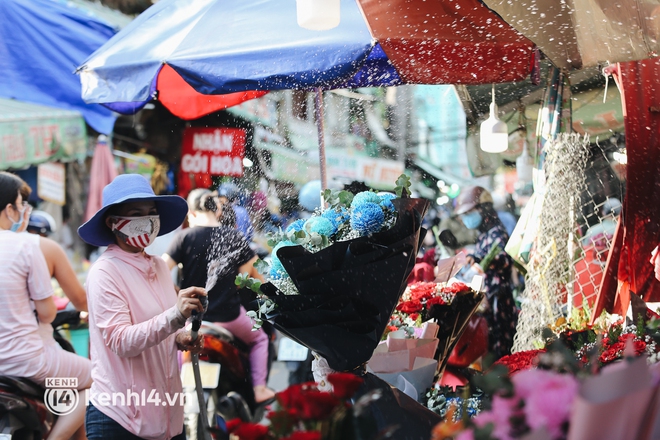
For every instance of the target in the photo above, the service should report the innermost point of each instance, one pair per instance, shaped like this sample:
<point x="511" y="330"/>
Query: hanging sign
<point x="214" y="151"/>
<point x="51" y="178"/>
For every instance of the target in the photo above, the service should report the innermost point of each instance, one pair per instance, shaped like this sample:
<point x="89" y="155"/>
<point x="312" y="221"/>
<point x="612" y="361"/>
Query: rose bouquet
<point x="304" y="412"/>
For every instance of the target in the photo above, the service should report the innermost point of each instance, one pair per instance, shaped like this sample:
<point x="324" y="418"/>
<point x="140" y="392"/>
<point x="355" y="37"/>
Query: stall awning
<point x="31" y="134"/>
<point x="439" y="174"/>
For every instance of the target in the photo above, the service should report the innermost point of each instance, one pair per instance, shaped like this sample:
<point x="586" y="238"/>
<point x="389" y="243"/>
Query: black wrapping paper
<point x="348" y="290"/>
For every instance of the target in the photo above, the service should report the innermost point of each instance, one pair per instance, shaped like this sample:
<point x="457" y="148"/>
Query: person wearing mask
<point x="26" y="298"/>
<point x="475" y="207"/>
<point x="225" y="250"/>
<point x="136" y="318"/>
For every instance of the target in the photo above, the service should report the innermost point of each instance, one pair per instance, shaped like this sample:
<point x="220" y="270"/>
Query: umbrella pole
<point x="321" y="130"/>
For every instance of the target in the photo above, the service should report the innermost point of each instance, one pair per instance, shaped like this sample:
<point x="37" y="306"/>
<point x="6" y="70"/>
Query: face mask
<point x="138" y="232"/>
<point x="17" y="225"/>
<point x="472" y="220"/>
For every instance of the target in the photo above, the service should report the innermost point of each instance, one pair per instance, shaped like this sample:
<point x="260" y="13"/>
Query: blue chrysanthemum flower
<point x="275" y="263"/>
<point x="337" y="216"/>
<point x="367" y="218"/>
<point x="320" y="225"/>
<point x="365" y="197"/>
<point x="275" y="274"/>
<point x="386" y="201"/>
<point x="296" y="226"/>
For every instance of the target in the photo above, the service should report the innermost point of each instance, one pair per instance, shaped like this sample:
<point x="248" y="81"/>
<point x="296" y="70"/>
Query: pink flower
<point x="548" y="398"/>
<point x="501" y="411"/>
<point x="465" y="435"/>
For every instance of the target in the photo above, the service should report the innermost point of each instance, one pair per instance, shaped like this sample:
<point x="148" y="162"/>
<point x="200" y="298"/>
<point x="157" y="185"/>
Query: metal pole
<point x="321" y="131"/>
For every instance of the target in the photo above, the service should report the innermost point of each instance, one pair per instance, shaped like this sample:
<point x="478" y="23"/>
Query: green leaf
<point x="241" y="280"/>
<point x="345" y="198"/>
<point x="261" y="266"/>
<point x="402" y="189"/>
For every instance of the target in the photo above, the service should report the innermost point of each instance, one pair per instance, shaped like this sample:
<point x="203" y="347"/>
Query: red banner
<point x="213" y="151"/>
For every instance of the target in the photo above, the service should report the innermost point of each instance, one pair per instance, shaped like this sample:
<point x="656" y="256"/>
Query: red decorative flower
<point x="614" y="351"/>
<point x="304" y="435"/>
<point x="436" y="300"/>
<point x="422" y="290"/>
<point x="293" y="396"/>
<point x="456" y="287"/>
<point x="318" y="405"/>
<point x="414" y="316"/>
<point x="412" y="306"/>
<point x="233" y="424"/>
<point x="344" y="385"/>
<point x="251" y="431"/>
<point x="522" y="360"/>
<point x="282" y="420"/>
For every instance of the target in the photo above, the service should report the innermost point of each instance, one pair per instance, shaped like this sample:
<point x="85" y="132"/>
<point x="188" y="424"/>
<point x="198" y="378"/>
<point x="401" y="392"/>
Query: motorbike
<point x="228" y="395"/>
<point x="23" y="413"/>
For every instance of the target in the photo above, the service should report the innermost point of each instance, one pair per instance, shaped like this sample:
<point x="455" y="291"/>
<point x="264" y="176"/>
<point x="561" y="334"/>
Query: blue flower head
<point x="337" y="216"/>
<point x="386" y="201"/>
<point x="296" y="226"/>
<point x="275" y="274"/>
<point x="320" y="225"/>
<point x="365" y="197"/>
<point x="275" y="263"/>
<point x="367" y="218"/>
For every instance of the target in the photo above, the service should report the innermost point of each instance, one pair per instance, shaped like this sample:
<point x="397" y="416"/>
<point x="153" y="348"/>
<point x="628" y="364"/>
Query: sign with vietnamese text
<point x="375" y="172"/>
<point x="51" y="186"/>
<point x="215" y="151"/>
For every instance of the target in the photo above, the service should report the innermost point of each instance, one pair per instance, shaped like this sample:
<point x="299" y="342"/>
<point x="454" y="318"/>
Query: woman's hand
<point x="188" y="300"/>
<point x="184" y="342"/>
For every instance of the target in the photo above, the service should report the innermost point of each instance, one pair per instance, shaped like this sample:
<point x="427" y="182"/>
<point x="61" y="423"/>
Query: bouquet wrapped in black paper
<point x="334" y="281"/>
<point x="346" y="291"/>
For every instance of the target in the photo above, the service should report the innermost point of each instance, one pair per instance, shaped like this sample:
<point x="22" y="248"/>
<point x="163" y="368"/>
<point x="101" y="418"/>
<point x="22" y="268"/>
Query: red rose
<point x="436" y="300"/>
<point x="456" y="287"/>
<point x="283" y="420"/>
<point x="233" y="424"/>
<point x="293" y="397"/>
<point x="522" y="360"/>
<point x="422" y="290"/>
<point x="414" y="316"/>
<point x="251" y="431"/>
<point x="318" y="405"/>
<point x="344" y="385"/>
<point x="304" y="435"/>
<point x="609" y="355"/>
<point x="409" y="307"/>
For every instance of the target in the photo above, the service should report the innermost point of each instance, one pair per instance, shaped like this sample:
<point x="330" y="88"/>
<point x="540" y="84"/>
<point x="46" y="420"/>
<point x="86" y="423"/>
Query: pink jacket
<point x="133" y="319"/>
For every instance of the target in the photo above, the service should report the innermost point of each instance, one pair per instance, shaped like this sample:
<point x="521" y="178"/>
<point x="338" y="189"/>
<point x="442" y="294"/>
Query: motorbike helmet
<point x="229" y="190"/>
<point x="471" y="197"/>
<point x="41" y="223"/>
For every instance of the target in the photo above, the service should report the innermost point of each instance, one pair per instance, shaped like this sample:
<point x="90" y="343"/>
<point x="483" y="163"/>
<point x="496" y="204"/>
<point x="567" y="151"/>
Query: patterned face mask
<point x="138" y="232"/>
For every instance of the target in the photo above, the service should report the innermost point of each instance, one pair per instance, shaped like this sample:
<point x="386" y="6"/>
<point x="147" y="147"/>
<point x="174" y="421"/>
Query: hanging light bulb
<point x="524" y="165"/>
<point x="318" y="15"/>
<point x="494" y="134"/>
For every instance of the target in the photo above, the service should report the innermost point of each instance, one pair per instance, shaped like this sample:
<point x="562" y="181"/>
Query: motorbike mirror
<point x="448" y="239"/>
